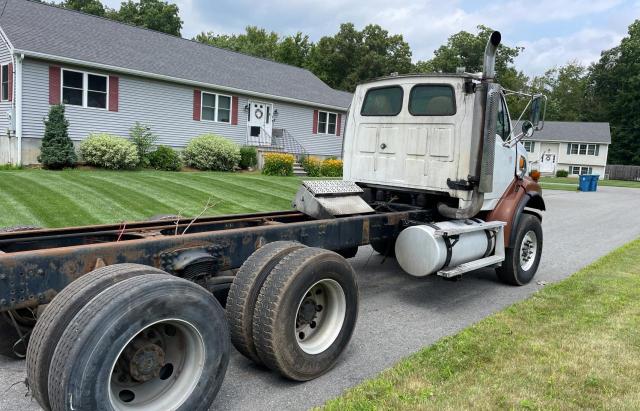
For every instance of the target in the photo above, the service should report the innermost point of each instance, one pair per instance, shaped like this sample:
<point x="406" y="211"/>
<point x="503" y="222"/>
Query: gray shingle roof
<point x="573" y="131"/>
<point x="41" y="28"/>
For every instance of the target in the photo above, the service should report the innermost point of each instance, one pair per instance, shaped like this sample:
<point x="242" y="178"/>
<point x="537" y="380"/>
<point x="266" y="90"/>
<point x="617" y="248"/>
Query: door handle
<point x="383" y="146"/>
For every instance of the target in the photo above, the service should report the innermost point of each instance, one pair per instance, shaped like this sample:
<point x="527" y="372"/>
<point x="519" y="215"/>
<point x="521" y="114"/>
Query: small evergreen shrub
<point x="248" y="157"/>
<point x="331" y="168"/>
<point x="312" y="166"/>
<point x="144" y="140"/>
<point x="165" y="158"/>
<point x="57" y="150"/>
<point x="278" y="164"/>
<point x="108" y="151"/>
<point x="211" y="152"/>
<point x="562" y="173"/>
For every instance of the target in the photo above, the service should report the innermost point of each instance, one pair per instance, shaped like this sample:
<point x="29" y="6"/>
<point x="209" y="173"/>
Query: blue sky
<point x="553" y="32"/>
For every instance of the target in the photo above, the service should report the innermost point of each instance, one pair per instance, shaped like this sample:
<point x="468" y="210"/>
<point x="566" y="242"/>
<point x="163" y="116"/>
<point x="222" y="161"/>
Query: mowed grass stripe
<point x="191" y="199"/>
<point x="139" y="205"/>
<point x="244" y="194"/>
<point x="14" y="212"/>
<point x="52" y="207"/>
<point x="105" y="205"/>
<point x="281" y="185"/>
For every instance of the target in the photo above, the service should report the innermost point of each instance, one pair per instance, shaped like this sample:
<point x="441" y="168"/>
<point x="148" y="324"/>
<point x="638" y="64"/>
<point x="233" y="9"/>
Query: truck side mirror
<point x="538" y="107"/>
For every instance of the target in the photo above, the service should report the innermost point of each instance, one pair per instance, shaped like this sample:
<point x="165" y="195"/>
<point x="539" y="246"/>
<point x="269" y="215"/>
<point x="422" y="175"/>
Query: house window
<point x="327" y="122"/>
<point x="583" y="149"/>
<point x="84" y="89"/>
<point x="530" y="146"/>
<point x="5" y="83"/>
<point x="216" y="107"/>
<point x="579" y="170"/>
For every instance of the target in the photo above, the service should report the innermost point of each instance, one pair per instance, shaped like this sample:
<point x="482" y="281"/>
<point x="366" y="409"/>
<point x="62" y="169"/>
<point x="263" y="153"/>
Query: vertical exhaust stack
<point x="489" y="62"/>
<point x="484" y="130"/>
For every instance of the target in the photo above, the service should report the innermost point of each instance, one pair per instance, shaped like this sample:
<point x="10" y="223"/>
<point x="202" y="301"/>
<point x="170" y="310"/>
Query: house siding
<point x="166" y="107"/>
<point x="7" y="145"/>
<point x="564" y="160"/>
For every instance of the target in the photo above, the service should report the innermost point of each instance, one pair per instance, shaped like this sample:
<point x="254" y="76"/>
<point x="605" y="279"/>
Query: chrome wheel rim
<point x="158" y="368"/>
<point x="320" y="316"/>
<point x="528" y="250"/>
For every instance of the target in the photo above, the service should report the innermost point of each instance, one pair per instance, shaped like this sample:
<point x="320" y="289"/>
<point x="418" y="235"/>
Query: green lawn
<point x="79" y="197"/>
<point x="572" y="345"/>
<point x="574" y="181"/>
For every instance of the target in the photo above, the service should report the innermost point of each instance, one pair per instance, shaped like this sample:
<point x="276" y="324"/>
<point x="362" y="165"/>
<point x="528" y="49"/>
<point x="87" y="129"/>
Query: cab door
<point x="504" y="166"/>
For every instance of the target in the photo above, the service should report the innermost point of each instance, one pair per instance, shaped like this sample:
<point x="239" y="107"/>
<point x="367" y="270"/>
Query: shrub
<point x="144" y="140"/>
<point x="108" y="151"/>
<point x="331" y="168"/>
<point x="165" y="158"/>
<point x="312" y="166"/>
<point x="562" y="173"/>
<point x="57" y="149"/>
<point x="211" y="152"/>
<point x="278" y="164"/>
<point x="248" y="157"/>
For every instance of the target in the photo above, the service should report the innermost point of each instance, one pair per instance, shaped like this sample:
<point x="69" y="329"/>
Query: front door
<point x="548" y="163"/>
<point x="259" y="123"/>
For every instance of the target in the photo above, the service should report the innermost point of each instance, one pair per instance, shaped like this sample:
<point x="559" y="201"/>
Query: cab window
<point x="432" y="100"/>
<point x="503" y="126"/>
<point x="382" y="101"/>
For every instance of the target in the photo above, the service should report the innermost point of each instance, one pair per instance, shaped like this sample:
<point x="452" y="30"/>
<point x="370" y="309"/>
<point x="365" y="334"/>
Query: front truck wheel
<point x="306" y="313"/>
<point x="521" y="261"/>
<point x="151" y="342"/>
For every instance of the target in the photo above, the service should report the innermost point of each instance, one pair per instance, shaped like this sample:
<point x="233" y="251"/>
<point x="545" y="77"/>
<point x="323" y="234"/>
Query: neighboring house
<point x="110" y="75"/>
<point x="580" y="148"/>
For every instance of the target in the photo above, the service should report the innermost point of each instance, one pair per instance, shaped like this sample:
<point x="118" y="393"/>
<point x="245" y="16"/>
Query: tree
<point x="94" y="7"/>
<point x="57" y="149"/>
<point x="613" y="95"/>
<point x="565" y="88"/>
<point x="258" y="42"/>
<point x="152" y="14"/>
<point x="351" y="56"/>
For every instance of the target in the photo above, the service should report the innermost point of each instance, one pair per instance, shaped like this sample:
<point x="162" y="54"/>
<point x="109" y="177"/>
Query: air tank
<point x="420" y="251"/>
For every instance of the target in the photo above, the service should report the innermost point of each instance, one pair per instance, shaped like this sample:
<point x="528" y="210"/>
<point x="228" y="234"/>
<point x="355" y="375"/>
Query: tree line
<point x="607" y="90"/>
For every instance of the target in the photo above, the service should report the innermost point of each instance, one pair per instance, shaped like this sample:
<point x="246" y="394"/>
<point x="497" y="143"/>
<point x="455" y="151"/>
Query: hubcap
<point x="528" y="250"/>
<point x="158" y="368"/>
<point x="320" y="316"/>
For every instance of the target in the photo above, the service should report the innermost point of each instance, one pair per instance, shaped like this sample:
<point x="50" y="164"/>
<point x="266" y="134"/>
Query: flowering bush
<point x="277" y="164"/>
<point x="211" y="152"/>
<point x="331" y="168"/>
<point x="109" y="151"/>
<point x="312" y="166"/>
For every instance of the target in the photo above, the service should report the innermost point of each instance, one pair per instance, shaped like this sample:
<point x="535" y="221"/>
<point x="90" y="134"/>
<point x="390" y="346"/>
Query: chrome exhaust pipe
<point x="489" y="63"/>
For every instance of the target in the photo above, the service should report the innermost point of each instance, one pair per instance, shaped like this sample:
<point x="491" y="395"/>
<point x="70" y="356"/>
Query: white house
<point x="110" y="75"/>
<point x="578" y="147"/>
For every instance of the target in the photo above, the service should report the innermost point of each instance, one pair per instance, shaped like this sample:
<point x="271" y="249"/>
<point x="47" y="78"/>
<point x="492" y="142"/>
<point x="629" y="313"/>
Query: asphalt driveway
<point x="400" y="314"/>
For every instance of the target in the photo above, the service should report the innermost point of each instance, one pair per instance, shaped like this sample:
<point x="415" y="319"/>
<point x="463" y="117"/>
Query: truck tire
<point x="153" y="342"/>
<point x="348" y="252"/>
<point x="521" y="262"/>
<point x="59" y="313"/>
<point x="385" y="247"/>
<point x="315" y="290"/>
<point x="244" y="292"/>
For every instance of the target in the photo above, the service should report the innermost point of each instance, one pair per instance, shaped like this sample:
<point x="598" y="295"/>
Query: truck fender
<point x="531" y="200"/>
<point x="520" y="195"/>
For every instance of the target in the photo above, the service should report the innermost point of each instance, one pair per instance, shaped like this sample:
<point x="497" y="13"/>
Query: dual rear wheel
<point x="293" y="309"/>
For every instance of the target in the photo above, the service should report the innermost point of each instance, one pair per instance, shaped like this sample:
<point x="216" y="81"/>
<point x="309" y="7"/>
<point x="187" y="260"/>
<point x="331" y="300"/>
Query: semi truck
<point x="143" y="315"/>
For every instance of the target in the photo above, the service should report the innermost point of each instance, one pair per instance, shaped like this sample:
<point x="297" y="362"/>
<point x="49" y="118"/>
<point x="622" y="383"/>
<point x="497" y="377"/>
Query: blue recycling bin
<point x="588" y="182"/>
<point x="584" y="182"/>
<point x="593" y="184"/>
